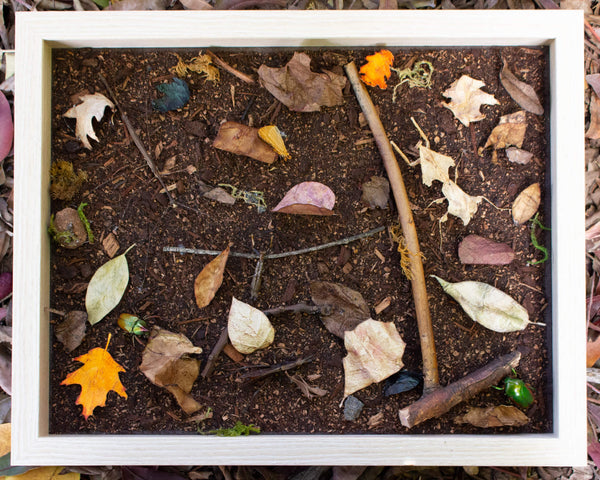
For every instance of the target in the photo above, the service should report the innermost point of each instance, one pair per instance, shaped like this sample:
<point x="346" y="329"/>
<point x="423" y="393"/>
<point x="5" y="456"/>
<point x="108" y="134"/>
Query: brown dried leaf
<point x="220" y="195"/>
<point x="593" y="131"/>
<point x="499" y="416"/>
<point x="520" y="92"/>
<point x="483" y="251"/>
<point x="375" y="352"/>
<point x="71" y="330"/>
<point x="196" y="5"/>
<point x="593" y="80"/>
<point x="165" y="363"/>
<point x="243" y="140"/>
<point x="376" y="192"/>
<point x="466" y="99"/>
<point x="348" y="307"/>
<point x="209" y="280"/>
<point x="509" y="131"/>
<point x="300" y="89"/>
<point x="110" y="245"/>
<point x="526" y="204"/>
<point x="592" y="352"/>
<point x="307" y="198"/>
<point x="309" y="391"/>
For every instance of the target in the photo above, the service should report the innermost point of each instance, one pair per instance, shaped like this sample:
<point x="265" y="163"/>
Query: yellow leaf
<point x="44" y="473"/>
<point x="377" y="69"/>
<point x="272" y="136"/>
<point x="210" y="279"/>
<point x="98" y="376"/>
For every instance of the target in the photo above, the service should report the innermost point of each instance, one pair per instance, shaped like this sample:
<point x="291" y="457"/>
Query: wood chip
<point x="111" y="245"/>
<point x="170" y="188"/>
<point x="381" y="306"/>
<point x="380" y="256"/>
<point x="233" y="353"/>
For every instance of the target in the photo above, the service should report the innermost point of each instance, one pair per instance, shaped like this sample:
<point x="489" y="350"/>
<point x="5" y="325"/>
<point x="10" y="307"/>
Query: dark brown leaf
<point x="500" y="416"/>
<point x="479" y="250"/>
<point x="300" y="89"/>
<point x="71" y="331"/>
<point x="348" y="307"/>
<point x="376" y="192"/>
<point x="521" y="92"/>
<point x="243" y="140"/>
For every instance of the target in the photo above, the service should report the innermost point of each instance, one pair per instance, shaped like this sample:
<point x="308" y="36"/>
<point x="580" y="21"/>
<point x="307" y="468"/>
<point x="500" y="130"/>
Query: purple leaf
<point x="594" y="452"/>
<point x="5" y="284"/>
<point x="6" y="127"/>
<point x="307" y="198"/>
<point x="478" y="250"/>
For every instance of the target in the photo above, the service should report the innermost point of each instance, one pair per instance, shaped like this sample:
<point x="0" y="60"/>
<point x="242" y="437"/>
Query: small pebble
<point x="352" y="408"/>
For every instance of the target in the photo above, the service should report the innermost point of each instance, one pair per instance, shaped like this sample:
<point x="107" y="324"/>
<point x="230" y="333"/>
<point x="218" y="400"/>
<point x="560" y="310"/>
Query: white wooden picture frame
<point x="38" y="33"/>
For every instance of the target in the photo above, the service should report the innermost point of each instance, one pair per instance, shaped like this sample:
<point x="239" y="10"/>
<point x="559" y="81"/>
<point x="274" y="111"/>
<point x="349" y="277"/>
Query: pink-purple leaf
<point x="307" y="198"/>
<point x="5" y="284"/>
<point x="478" y="250"/>
<point x="6" y="127"/>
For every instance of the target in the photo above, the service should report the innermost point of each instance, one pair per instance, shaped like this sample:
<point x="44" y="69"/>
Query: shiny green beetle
<point x="518" y="392"/>
<point x="132" y="324"/>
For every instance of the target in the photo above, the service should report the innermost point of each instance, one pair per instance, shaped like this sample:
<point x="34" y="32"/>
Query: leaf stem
<point x="108" y="341"/>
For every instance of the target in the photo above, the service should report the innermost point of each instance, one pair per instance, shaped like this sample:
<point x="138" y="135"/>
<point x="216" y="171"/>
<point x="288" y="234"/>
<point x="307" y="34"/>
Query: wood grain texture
<point x="38" y="32"/>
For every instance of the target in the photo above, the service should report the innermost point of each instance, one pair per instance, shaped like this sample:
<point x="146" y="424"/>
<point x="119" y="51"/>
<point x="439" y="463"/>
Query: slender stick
<point x="299" y="308"/>
<point x="280" y="367"/>
<point x="214" y="354"/>
<point x="229" y="68"/>
<point x="430" y="367"/>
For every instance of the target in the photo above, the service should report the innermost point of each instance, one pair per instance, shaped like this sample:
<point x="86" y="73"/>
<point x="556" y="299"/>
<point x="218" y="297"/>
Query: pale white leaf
<point x="434" y="165"/>
<point x="375" y="352"/>
<point x="460" y="203"/>
<point x="92" y="106"/>
<point x="466" y="99"/>
<point x="249" y="329"/>
<point x="106" y="288"/>
<point x="487" y="305"/>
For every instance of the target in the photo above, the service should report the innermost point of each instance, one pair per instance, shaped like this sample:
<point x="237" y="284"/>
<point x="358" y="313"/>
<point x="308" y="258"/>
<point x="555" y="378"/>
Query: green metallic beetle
<point x="132" y="324"/>
<point x="518" y="391"/>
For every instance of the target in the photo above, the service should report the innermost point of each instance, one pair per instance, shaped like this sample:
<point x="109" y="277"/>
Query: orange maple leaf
<point x="98" y="376"/>
<point x="377" y="69"/>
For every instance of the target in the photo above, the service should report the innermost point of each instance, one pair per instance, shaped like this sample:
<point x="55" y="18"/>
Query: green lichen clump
<point x="238" y="430"/>
<point x="64" y="181"/>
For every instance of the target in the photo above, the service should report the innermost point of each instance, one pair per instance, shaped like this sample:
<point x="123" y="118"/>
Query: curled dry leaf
<point x="91" y="106"/>
<point x="517" y="155"/>
<point x="166" y="363"/>
<point x="106" y="288"/>
<point x="209" y="280"/>
<point x="499" y="416"/>
<point x="377" y="69"/>
<point x="460" y="204"/>
<point x="272" y="136"/>
<point x="309" y="391"/>
<point x="249" y="329"/>
<point x="487" y="305"/>
<point x="476" y="250"/>
<point x="593" y="131"/>
<point x="300" y="89"/>
<point x="243" y="140"/>
<point x="434" y="165"/>
<point x="509" y="131"/>
<point x="6" y="127"/>
<point x="466" y="99"/>
<point x="520" y="92"/>
<point x="526" y="204"/>
<point x="376" y="192"/>
<point x="71" y="330"/>
<point x="375" y="352"/>
<point x="347" y="308"/>
<point x="307" y="198"/>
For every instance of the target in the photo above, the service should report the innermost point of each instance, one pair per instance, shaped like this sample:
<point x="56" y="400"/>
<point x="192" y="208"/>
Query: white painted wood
<point x="37" y="33"/>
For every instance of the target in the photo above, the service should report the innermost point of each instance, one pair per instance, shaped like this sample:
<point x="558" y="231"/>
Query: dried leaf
<point x="220" y="195"/>
<point x="375" y="352"/>
<point x="44" y="473"/>
<point x="509" y="131"/>
<point x="128" y="5"/>
<point x="376" y="192"/>
<point x="460" y="204"/>
<point x="487" y="305"/>
<point x="148" y="473"/>
<point x="593" y="80"/>
<point x="466" y="99"/>
<point x="242" y="140"/>
<point x="377" y="69"/>
<point x="592" y="352"/>
<point x="6" y="128"/>
<point x="499" y="416"/>
<point x="175" y="95"/>
<point x="434" y="166"/>
<point x="593" y="131"/>
<point x="91" y="106"/>
<point x="209" y="279"/>
<point x="166" y="363"/>
<point x="307" y="198"/>
<point x="300" y="89"/>
<point x="517" y="155"/>
<point x="526" y="204"/>
<point x="6" y="280"/>
<point x="347" y="307"/>
<point x="520" y="92"/>
<point x="309" y="391"/>
<point x="196" y="5"/>
<point x="202" y="65"/>
<point x="249" y="329"/>
<point x="271" y="135"/>
<point x="483" y="251"/>
<point x="5" y="369"/>
<point x="106" y="288"/>
<point x="71" y="330"/>
<point x="98" y="376"/>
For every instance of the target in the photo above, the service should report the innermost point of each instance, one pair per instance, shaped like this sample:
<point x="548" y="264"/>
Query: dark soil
<point x="330" y="147"/>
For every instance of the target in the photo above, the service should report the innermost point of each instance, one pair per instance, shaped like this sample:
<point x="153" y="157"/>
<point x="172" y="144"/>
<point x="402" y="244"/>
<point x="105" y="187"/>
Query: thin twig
<point x="214" y="354"/>
<point x="299" y="308"/>
<point x="280" y="367"/>
<point x="256" y="278"/>
<point x="343" y="241"/>
<point x="229" y="68"/>
<point x="591" y="30"/>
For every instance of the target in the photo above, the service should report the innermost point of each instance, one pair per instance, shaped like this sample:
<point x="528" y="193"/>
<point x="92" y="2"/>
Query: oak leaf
<point x="377" y="69"/>
<point x="210" y="279"/>
<point x="91" y="106"/>
<point x="466" y="99"/>
<point x="98" y="376"/>
<point x="460" y="204"/>
<point x="434" y="165"/>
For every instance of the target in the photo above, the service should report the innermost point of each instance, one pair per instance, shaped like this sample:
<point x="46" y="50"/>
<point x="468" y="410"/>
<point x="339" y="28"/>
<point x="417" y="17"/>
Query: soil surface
<point x="331" y="147"/>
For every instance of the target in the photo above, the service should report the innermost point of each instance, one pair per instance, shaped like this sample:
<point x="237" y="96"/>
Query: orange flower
<point x="377" y="69"/>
